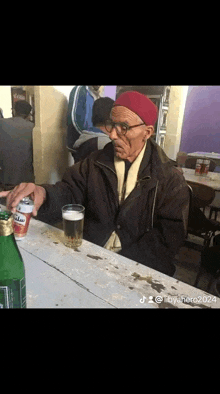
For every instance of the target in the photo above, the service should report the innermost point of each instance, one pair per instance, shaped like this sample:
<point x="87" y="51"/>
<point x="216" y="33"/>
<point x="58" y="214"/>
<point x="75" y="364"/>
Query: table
<point x="212" y="179"/>
<point x="209" y="155"/>
<point x="93" y="277"/>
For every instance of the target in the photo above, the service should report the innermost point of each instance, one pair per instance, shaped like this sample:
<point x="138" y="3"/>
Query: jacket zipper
<point x="109" y="168"/>
<point x="138" y="185"/>
<point x="154" y="203"/>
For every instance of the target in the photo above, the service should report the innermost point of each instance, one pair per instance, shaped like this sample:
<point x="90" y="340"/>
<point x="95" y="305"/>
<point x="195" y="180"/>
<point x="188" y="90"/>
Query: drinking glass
<point x="73" y="222"/>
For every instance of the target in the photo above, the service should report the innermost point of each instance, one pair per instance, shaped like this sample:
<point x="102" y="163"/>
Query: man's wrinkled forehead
<point x="123" y="114"/>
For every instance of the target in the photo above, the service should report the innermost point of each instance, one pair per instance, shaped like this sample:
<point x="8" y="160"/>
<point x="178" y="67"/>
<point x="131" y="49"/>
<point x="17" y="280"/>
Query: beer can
<point x="207" y="164"/>
<point x="22" y="218"/>
<point x="198" y="166"/>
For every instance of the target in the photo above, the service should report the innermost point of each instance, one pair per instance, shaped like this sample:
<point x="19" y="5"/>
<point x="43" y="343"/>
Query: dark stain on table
<point x="94" y="257"/>
<point x="154" y="284"/>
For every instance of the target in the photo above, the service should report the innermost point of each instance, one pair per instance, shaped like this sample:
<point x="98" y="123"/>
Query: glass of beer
<point x="73" y="221"/>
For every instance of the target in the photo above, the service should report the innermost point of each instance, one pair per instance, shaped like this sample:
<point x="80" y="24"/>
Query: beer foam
<point x="73" y="215"/>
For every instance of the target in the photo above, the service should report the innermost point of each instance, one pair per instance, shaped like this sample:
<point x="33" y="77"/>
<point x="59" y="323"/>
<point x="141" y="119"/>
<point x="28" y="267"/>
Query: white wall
<point x="49" y="134"/>
<point x="65" y="89"/>
<point x="175" y="117"/>
<point x="5" y="101"/>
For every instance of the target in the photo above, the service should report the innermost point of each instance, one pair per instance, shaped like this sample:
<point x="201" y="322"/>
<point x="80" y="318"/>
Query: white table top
<point x="212" y="179"/>
<point x="93" y="277"/>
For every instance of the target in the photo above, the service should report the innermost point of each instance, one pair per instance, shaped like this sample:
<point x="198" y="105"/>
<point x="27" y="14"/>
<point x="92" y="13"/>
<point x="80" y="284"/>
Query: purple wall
<point x="201" y="124"/>
<point x="110" y="91"/>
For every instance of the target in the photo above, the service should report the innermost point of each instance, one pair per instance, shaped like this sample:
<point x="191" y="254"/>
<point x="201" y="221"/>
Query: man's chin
<point x="120" y="154"/>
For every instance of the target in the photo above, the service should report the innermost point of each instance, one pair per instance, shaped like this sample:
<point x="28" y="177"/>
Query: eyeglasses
<point x="121" y="128"/>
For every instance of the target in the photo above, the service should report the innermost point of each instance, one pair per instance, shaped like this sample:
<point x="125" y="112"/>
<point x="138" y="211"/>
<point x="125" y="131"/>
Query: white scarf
<point x="114" y="243"/>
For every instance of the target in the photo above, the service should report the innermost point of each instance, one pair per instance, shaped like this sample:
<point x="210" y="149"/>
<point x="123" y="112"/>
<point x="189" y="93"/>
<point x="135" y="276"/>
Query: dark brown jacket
<point x="151" y="223"/>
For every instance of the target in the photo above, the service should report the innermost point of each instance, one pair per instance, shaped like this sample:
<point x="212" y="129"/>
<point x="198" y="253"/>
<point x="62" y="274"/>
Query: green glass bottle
<point x="12" y="272"/>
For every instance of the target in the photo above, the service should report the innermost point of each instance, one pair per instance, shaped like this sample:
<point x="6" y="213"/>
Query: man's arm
<point x="49" y="199"/>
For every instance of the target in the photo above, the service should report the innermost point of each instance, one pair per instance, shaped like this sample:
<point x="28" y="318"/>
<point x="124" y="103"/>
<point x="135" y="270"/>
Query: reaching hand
<point x="36" y="193"/>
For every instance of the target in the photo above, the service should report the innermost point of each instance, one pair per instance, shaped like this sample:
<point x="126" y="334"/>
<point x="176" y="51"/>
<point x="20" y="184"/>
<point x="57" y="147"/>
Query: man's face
<point x="128" y="146"/>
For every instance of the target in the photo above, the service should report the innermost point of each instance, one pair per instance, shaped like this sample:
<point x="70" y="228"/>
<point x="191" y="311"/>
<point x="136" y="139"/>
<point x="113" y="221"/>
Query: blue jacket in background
<point x="79" y="116"/>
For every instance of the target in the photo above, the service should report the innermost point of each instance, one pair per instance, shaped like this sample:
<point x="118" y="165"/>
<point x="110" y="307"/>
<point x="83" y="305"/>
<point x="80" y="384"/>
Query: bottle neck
<point x="6" y="227"/>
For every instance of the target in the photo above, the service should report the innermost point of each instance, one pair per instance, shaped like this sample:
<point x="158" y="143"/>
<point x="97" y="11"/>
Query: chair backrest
<point x="197" y="220"/>
<point x="181" y="158"/>
<point x="203" y="194"/>
<point x="191" y="163"/>
<point x="180" y="153"/>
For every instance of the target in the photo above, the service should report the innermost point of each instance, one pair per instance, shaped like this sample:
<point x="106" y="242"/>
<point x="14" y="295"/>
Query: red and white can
<point x="202" y="167"/>
<point x="22" y="217"/>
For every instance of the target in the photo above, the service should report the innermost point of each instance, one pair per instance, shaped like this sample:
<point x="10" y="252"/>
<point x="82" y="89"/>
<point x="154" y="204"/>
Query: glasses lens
<point x="121" y="128"/>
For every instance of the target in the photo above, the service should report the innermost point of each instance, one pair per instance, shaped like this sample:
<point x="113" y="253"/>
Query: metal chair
<point x="210" y="264"/>
<point x="198" y="225"/>
<point x="181" y="159"/>
<point x="215" y="206"/>
<point x="203" y="194"/>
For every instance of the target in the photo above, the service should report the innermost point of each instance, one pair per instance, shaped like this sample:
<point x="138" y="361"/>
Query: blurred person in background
<point x="97" y="137"/>
<point x="79" y="115"/>
<point x="16" y="147"/>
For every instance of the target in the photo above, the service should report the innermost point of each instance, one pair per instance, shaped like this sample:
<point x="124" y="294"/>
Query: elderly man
<point x="136" y="201"/>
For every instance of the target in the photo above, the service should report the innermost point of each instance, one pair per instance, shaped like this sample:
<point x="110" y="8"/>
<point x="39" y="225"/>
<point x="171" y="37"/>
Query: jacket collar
<point x="106" y="157"/>
<point x="155" y="162"/>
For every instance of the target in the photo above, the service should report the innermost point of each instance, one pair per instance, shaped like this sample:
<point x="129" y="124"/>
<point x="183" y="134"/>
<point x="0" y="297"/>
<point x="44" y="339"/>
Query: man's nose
<point x="113" y="135"/>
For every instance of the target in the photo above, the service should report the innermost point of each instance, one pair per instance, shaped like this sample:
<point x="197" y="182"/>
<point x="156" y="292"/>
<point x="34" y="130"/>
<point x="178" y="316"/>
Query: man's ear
<point x="149" y="131"/>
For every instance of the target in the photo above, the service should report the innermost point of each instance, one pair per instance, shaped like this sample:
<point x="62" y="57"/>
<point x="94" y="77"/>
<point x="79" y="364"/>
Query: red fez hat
<point x="140" y="105"/>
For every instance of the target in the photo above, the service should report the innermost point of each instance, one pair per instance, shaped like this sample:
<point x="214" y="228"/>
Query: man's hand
<point x="36" y="193"/>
